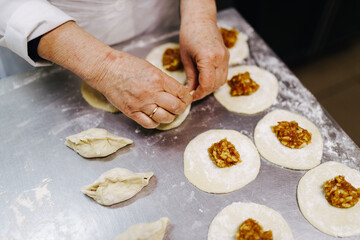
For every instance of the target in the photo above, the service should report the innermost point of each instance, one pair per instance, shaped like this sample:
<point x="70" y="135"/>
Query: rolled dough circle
<point x="338" y="222"/>
<point x="273" y="151"/>
<point x="95" y="99"/>
<point x="260" y="100"/>
<point x="226" y="223"/>
<point x="200" y="170"/>
<point x="155" y="58"/>
<point x="177" y="121"/>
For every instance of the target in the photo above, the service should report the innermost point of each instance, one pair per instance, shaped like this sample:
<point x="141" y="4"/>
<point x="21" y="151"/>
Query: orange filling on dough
<point x="340" y="193"/>
<point x="252" y="230"/>
<point x="229" y="37"/>
<point x="291" y="135"/>
<point x="242" y="84"/>
<point x="224" y="154"/>
<point x="171" y="59"/>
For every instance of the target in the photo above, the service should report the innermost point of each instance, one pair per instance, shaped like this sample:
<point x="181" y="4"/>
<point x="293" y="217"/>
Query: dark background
<point x="301" y="30"/>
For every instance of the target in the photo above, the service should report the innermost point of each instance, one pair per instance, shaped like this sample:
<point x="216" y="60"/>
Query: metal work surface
<point x="40" y="178"/>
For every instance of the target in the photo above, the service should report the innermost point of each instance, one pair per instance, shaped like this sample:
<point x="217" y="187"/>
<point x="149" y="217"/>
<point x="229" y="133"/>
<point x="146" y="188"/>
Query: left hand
<point x="204" y="56"/>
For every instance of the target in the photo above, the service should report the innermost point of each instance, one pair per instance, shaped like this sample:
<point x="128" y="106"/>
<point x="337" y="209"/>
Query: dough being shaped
<point x="338" y="222"/>
<point x="116" y="185"/>
<point x="177" y="121"/>
<point x="155" y="58"/>
<point x="226" y="223"/>
<point x="201" y="171"/>
<point x="95" y="99"/>
<point x="260" y="100"/>
<point x="96" y="142"/>
<point x="146" y="231"/>
<point x="272" y="150"/>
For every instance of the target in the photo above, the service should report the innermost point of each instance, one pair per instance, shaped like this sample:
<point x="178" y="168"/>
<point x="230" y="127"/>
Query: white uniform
<point x="111" y="21"/>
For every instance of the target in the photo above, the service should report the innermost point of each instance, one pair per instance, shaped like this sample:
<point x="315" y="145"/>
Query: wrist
<point x="73" y="48"/>
<point x="198" y="11"/>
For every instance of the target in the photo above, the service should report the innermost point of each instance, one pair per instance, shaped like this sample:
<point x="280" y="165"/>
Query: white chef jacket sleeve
<point x="24" y="20"/>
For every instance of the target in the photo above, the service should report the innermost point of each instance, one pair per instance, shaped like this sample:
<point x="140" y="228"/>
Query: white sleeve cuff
<point x="31" y="20"/>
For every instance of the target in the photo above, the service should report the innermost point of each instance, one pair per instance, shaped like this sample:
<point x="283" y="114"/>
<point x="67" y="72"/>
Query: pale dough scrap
<point x="337" y="222"/>
<point x="272" y="150"/>
<point x="155" y="58"/>
<point x="95" y="99"/>
<point x="179" y="119"/>
<point x="116" y="185"/>
<point x="201" y="171"/>
<point x="226" y="223"/>
<point x="96" y="142"/>
<point x="257" y="102"/>
<point x="146" y="231"/>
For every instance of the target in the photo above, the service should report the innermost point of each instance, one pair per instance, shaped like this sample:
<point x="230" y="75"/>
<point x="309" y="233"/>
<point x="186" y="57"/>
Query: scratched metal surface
<point x="40" y="178"/>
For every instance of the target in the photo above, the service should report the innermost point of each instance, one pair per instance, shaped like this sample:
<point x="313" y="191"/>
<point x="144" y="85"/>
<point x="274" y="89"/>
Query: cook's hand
<point x="136" y="88"/>
<point x="133" y="85"/>
<point x="203" y="53"/>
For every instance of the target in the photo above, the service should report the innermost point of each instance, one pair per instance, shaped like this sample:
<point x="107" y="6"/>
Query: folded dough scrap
<point x="146" y="231"/>
<point x="116" y="185"/>
<point x="96" y="142"/>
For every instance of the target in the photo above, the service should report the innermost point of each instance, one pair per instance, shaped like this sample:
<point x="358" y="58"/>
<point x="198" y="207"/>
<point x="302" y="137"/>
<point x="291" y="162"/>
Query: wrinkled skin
<point x="132" y="84"/>
<point x="137" y="91"/>
<point x="204" y="56"/>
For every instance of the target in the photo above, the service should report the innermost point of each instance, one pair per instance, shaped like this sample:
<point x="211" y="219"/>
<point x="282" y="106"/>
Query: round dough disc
<point x="155" y="58"/>
<point x="177" y="121"/>
<point x="272" y="150"/>
<point x="226" y="223"/>
<point x="260" y="100"/>
<point x="338" y="222"/>
<point x="95" y="99"/>
<point x="200" y="170"/>
<point x="240" y="50"/>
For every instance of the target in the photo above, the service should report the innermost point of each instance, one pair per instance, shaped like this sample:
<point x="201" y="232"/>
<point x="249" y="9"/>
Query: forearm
<point x="73" y="48"/>
<point x="197" y="10"/>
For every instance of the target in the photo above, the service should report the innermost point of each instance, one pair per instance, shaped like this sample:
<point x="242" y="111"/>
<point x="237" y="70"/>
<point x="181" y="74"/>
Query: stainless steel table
<point x="40" y="177"/>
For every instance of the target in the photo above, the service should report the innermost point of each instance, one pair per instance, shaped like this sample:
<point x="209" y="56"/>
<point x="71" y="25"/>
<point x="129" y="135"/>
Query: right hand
<point x="136" y="88"/>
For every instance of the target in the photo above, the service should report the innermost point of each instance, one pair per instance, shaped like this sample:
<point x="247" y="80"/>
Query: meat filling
<point x="242" y="84"/>
<point x="291" y="135"/>
<point x="340" y="193"/>
<point x="171" y="59"/>
<point x="252" y="230"/>
<point x="229" y="37"/>
<point x="224" y="154"/>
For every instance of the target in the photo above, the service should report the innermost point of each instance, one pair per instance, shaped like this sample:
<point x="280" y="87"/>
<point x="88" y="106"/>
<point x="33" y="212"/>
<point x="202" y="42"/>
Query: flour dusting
<point x="31" y="201"/>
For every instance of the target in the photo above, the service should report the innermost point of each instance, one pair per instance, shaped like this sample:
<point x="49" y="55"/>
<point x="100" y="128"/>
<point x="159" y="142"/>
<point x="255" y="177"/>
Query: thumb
<point x="190" y="71"/>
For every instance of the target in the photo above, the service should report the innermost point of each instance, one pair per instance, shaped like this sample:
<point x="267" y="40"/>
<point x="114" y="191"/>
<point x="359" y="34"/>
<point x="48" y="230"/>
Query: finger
<point x="144" y="120"/>
<point x="221" y="77"/>
<point x="224" y="68"/>
<point x="163" y="116"/>
<point x="207" y="78"/>
<point x="170" y="103"/>
<point x="176" y="89"/>
<point x="190" y="71"/>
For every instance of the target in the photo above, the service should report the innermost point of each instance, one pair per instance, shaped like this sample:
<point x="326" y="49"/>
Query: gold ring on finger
<point x="154" y="111"/>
